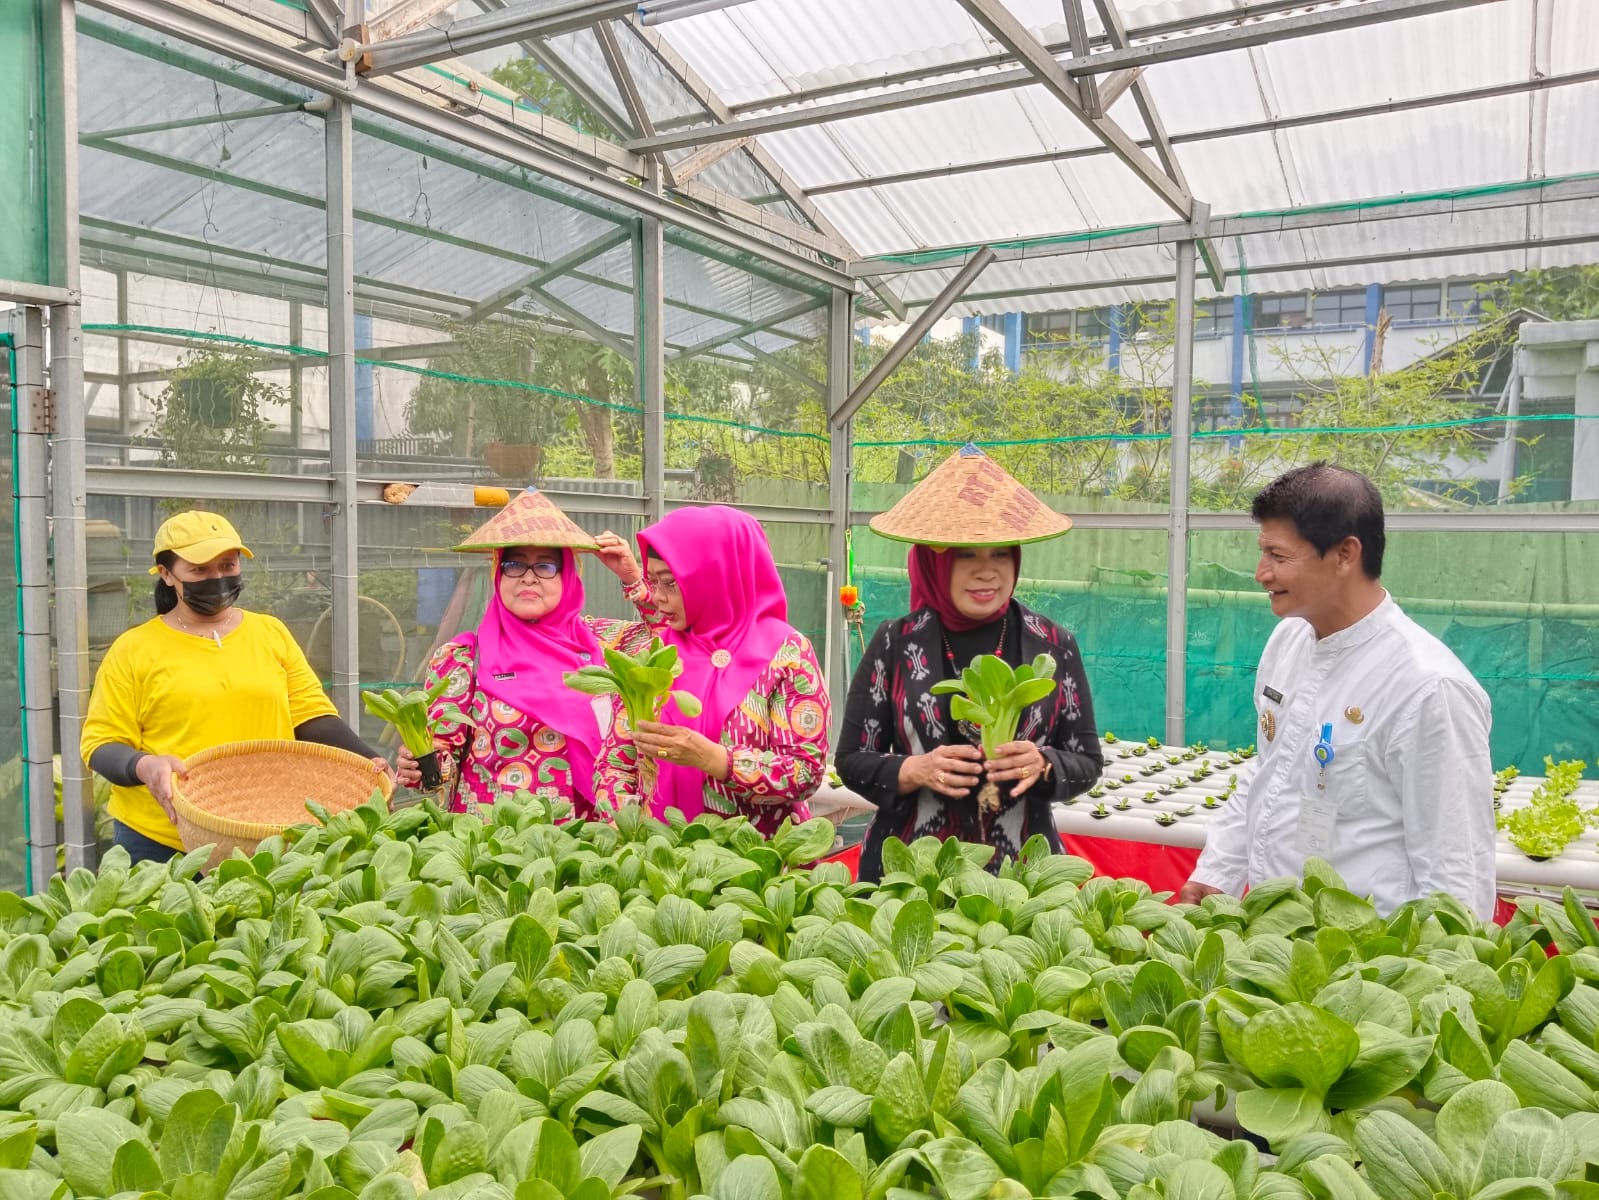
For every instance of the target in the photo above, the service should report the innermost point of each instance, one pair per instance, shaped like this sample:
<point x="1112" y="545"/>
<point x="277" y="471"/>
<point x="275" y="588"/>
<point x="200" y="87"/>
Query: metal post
<point x="908" y="341"/>
<point x="30" y="420"/>
<point x="1182" y="423"/>
<point x="1507" y="462"/>
<point x="339" y="151"/>
<point x="68" y="454"/>
<point x="840" y="482"/>
<point x="649" y="269"/>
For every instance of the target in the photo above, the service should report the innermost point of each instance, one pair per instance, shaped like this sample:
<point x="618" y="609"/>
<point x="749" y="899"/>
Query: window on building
<point x="1214" y="318"/>
<point x="995" y="322"/>
<point x="1093" y="324"/>
<point x="1346" y="307"/>
<point x="1289" y="311"/>
<point x="1412" y="302"/>
<point x="1084" y="324"/>
<point x="1465" y="298"/>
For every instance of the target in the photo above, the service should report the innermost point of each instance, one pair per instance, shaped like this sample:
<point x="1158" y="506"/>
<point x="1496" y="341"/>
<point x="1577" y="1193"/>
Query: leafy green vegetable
<point x="992" y="695"/>
<point x="408" y="713"/>
<point x="397" y="1004"/>
<point x="644" y="683"/>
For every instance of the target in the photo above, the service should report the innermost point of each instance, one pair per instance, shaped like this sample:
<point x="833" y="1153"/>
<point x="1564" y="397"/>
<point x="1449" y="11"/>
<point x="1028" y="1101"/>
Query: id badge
<point x="1318" y="817"/>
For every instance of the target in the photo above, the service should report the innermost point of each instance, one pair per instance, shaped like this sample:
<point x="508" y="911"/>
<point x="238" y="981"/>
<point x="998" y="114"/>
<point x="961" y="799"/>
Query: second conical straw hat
<point x="529" y="520"/>
<point x="970" y="500"/>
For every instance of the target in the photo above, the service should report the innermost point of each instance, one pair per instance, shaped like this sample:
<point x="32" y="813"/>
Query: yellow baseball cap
<point x="198" y="537"/>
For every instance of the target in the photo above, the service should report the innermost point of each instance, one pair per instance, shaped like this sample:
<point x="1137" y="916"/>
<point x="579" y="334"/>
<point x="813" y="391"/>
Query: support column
<point x="68" y="451"/>
<point x="1182" y="423"/>
<point x="841" y="470"/>
<point x="649" y="272"/>
<point x="339" y="154"/>
<point x="30" y="418"/>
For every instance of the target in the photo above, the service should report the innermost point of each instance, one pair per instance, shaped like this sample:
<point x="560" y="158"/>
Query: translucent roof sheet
<point x="1250" y="126"/>
<point x="234" y="189"/>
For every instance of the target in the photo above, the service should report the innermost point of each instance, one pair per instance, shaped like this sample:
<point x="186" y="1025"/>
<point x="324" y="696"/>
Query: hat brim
<point x="577" y="547"/>
<point x="204" y="552"/>
<point x="943" y="540"/>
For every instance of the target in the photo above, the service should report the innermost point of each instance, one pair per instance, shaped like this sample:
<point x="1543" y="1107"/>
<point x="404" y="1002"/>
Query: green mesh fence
<point x="1524" y="617"/>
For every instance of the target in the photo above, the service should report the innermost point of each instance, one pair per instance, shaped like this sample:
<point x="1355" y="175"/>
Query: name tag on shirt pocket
<point x="1344" y="793"/>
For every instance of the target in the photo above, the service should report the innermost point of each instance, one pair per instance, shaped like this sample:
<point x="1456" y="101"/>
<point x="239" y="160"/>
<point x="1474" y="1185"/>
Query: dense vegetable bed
<point x="413" y="1002"/>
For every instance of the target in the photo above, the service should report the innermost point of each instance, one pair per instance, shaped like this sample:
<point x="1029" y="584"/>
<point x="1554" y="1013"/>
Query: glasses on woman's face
<point x="515" y="568"/>
<point x="664" y="585"/>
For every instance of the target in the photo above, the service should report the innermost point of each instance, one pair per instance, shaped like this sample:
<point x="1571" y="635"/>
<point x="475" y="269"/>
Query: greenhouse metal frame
<point x="675" y="179"/>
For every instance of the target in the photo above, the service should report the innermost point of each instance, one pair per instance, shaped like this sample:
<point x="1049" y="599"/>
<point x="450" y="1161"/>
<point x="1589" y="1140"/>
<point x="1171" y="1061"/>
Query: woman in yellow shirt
<point x="200" y="673"/>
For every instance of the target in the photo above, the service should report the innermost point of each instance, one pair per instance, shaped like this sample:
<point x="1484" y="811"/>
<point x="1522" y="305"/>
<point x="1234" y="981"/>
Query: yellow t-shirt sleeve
<point x="306" y="697"/>
<point x="113" y="714"/>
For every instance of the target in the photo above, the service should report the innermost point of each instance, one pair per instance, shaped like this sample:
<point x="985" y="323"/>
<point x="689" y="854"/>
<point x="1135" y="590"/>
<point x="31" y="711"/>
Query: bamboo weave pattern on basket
<point x="240" y="792"/>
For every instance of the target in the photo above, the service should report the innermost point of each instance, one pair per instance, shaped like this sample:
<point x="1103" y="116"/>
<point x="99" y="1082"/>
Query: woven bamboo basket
<point x="235" y="794"/>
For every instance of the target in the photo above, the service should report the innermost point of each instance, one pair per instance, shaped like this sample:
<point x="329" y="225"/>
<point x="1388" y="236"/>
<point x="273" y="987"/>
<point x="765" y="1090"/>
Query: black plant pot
<point x="432" y="778"/>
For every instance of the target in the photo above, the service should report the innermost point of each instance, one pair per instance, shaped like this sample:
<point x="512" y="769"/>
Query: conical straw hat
<point x="530" y="520"/>
<point x="970" y="500"/>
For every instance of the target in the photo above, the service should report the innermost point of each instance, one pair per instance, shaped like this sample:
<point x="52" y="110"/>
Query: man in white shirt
<point x="1373" y="736"/>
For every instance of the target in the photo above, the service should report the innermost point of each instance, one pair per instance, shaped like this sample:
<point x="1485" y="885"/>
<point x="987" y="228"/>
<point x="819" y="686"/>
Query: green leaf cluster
<point x="393" y="1004"/>
<point x="408" y="712"/>
<point x="992" y="695"/>
<point x="644" y="682"/>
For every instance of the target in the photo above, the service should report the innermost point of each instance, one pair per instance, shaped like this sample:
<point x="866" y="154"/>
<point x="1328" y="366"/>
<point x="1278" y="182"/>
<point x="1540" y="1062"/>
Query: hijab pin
<point x="721" y="658"/>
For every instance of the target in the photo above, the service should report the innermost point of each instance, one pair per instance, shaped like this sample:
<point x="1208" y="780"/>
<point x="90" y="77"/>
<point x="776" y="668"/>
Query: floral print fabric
<point x="498" y="749"/>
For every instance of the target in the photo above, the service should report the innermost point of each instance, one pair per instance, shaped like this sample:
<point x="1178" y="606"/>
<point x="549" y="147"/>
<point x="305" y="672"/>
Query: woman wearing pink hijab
<point x="759" y="746"/>
<point x="506" y="724"/>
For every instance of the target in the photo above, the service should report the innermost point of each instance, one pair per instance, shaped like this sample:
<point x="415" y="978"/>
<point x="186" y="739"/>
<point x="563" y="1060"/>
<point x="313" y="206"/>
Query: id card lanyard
<point x="1319" y="813"/>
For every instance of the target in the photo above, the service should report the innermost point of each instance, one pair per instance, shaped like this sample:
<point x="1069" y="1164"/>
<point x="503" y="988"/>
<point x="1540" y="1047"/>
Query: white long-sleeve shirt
<point x="1405" y="806"/>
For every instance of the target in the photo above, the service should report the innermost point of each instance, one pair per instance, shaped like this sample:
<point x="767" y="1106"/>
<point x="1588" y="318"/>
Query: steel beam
<point x="339" y="145"/>
<point x="105" y="480"/>
<point x="1514" y="194"/>
<point x="668" y="57"/>
<point x="649" y="274"/>
<point x="685" y="169"/>
<point x="1003" y="26"/>
<point x="1182" y="426"/>
<point x="35" y="293"/>
<point x="913" y="335"/>
<point x="457" y="39"/>
<point x="1093" y="104"/>
<point x="1110" y="18"/>
<point x="555" y="270"/>
<point x="606" y="337"/>
<point x="1239" y="36"/>
<point x="68" y="449"/>
<point x="638" y="114"/>
<point x="327" y="17"/>
<point x="658" y="12"/>
<point x="271" y="110"/>
<point x="840" y="484"/>
<point x="749" y="327"/>
<point x="1235" y="36"/>
<point x="475" y="132"/>
<point x="778" y="364"/>
<point x="1239" y="12"/>
<point x="1214" y="133"/>
<point x="402" y="16"/>
<point x="37" y="690"/>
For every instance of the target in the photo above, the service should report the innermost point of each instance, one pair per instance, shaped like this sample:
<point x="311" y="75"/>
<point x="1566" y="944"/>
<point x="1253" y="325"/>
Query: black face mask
<point x="208" y="597"/>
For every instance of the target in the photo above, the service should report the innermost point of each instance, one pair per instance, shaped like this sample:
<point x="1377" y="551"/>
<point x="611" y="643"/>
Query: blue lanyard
<point x="1323" y="749"/>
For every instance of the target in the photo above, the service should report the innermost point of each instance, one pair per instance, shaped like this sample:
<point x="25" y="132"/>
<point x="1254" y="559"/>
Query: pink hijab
<point x="931" y="571"/>
<point x="521" y="662"/>
<point x="734" y="603"/>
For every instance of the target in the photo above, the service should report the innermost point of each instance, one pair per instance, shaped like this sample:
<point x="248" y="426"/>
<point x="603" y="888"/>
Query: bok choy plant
<point x="991" y="695"/>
